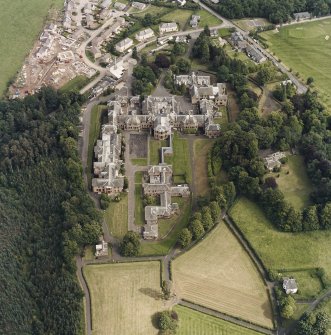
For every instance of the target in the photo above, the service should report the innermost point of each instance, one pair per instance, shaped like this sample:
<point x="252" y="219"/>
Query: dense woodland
<point x="46" y="215"/>
<point x="276" y="11"/>
<point x="303" y="124"/>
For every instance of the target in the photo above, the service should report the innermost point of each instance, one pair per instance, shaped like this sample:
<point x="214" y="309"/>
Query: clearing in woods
<point x="218" y="273"/>
<point x="20" y="24"/>
<point x="306" y="49"/>
<point x="293" y="181"/>
<point x="195" y="323"/>
<point x="124" y="297"/>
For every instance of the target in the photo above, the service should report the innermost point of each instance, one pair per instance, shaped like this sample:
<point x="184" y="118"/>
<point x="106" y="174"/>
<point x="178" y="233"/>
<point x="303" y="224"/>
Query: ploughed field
<point x="218" y="273"/>
<point x="124" y="297"/>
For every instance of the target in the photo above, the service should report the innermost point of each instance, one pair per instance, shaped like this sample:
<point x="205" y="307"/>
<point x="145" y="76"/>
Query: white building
<point x="144" y="35"/>
<point x="138" y="5"/>
<point x="105" y="4"/>
<point x="119" y="5"/>
<point x="168" y="27"/>
<point x="290" y="286"/>
<point x="124" y="45"/>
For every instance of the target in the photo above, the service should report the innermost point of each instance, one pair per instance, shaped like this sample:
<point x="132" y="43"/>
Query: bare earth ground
<point x="138" y="145"/>
<point x="217" y="273"/>
<point x="124" y="297"/>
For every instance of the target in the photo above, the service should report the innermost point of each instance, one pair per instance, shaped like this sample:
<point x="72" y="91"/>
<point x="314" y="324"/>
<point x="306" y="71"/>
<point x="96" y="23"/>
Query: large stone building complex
<point x="160" y="184"/>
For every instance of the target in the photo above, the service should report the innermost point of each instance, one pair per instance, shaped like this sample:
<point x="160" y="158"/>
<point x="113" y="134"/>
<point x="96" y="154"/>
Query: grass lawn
<point x="124" y="297"/>
<point x="139" y="161"/>
<point x="279" y="250"/>
<point x="296" y="185"/>
<point x="154" y="150"/>
<point x="166" y="225"/>
<point x="224" y="32"/>
<point x="201" y="150"/>
<point x="95" y="126"/>
<point x="196" y="66"/>
<point x="163" y="246"/>
<point x="181" y="16"/>
<point x="139" y="214"/>
<point x="89" y="253"/>
<point x="195" y="323"/>
<point x="180" y="159"/>
<point x="153" y="10"/>
<point x="251" y="24"/>
<point x="309" y="285"/>
<point x="219" y="274"/>
<point x="138" y="177"/>
<point x="76" y="83"/>
<point x="306" y="49"/>
<point x="116" y="216"/>
<point x="20" y="24"/>
<point x="207" y="18"/>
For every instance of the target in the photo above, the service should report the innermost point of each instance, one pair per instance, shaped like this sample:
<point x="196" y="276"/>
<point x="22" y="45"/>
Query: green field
<point x="76" y="83"/>
<point x="154" y="150"/>
<point x="153" y="10"/>
<point x="306" y="49"/>
<point x="180" y="159"/>
<point x="116" y="216"/>
<point x="219" y="274"/>
<point x="207" y="18"/>
<point x="279" y="250"/>
<point x="124" y="297"/>
<point x="181" y="16"/>
<point x="195" y="323"/>
<point x="296" y="185"/>
<point x="139" y="214"/>
<point x="139" y="161"/>
<point x="20" y="24"/>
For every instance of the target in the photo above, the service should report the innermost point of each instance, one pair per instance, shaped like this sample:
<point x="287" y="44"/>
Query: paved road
<point x="300" y="86"/>
<point x="226" y="317"/>
<point x="305" y="21"/>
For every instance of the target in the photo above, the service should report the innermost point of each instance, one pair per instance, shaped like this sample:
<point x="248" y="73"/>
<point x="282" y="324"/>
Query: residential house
<point x="255" y="54"/>
<point x="124" y="45"/>
<point x="302" y="16"/>
<point x="168" y="27"/>
<point x="273" y="160"/>
<point x="238" y="41"/>
<point x="194" y="22"/>
<point x="96" y="52"/>
<point x="145" y="34"/>
<point x="101" y="249"/>
<point x="289" y="285"/>
<point x="105" y="4"/>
